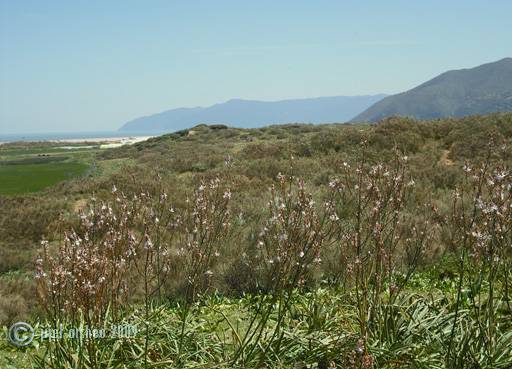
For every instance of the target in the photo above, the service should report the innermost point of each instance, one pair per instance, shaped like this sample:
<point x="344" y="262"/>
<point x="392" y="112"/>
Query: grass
<point x="110" y="167"/>
<point x="319" y="332"/>
<point x="45" y="150"/>
<point x="210" y="336"/>
<point x="32" y="167"/>
<point x="26" y="178"/>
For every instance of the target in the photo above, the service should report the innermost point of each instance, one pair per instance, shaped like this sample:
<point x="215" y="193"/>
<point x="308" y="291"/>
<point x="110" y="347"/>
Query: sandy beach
<point x="105" y="142"/>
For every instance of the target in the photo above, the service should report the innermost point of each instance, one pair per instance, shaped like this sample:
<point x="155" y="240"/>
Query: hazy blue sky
<point x="93" y="65"/>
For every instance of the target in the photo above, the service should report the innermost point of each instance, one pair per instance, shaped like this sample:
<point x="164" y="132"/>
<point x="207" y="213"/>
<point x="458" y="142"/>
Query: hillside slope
<point x="481" y="90"/>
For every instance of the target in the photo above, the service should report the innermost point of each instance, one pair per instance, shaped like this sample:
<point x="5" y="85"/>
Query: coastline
<point x="105" y="142"/>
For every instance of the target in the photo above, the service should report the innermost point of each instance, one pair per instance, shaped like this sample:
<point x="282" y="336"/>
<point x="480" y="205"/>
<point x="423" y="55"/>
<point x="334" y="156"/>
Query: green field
<point x="24" y="178"/>
<point x="32" y="167"/>
<point x="27" y="150"/>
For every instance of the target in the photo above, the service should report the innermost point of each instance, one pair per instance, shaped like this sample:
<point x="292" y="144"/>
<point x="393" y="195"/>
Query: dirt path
<point x="445" y="160"/>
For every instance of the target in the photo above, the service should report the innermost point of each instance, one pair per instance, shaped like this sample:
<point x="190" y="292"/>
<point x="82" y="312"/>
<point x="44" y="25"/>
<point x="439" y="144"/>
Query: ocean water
<point x="69" y="135"/>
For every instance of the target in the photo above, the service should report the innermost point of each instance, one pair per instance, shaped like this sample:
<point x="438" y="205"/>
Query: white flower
<point x="148" y="244"/>
<point x="500" y="175"/>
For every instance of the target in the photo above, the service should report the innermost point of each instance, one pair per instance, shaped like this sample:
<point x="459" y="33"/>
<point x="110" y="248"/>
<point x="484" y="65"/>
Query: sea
<point x="55" y="136"/>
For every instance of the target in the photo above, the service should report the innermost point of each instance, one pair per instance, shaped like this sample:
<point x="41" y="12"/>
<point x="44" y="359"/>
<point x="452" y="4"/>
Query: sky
<point x="94" y="65"/>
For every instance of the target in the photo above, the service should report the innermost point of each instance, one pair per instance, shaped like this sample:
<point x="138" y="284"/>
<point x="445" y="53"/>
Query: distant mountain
<point x="251" y="113"/>
<point x="480" y="90"/>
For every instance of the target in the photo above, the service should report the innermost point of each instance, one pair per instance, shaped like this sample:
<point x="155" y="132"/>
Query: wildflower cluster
<point x="88" y="271"/>
<point x="201" y="229"/>
<point x="100" y="262"/>
<point x="366" y="208"/>
<point x="481" y="225"/>
<point x="490" y="231"/>
<point x="292" y="237"/>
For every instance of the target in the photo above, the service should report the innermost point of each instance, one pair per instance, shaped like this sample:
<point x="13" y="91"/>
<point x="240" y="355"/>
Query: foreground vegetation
<point x="290" y="246"/>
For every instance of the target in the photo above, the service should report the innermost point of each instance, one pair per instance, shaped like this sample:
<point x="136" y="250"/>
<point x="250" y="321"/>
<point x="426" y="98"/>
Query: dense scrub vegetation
<point x="365" y="246"/>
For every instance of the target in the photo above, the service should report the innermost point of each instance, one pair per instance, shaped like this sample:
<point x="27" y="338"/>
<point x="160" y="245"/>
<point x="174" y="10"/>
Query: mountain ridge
<point x="483" y="89"/>
<point x="255" y="113"/>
